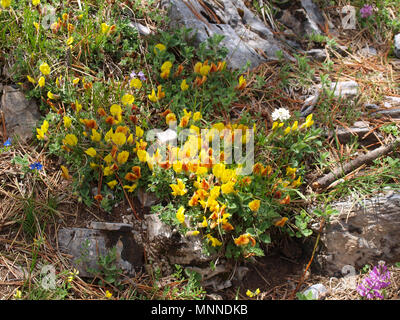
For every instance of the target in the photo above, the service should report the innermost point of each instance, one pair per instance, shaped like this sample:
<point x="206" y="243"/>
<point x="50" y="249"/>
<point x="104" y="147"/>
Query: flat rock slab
<point x="362" y="233"/>
<point x="21" y="115"/>
<point x="87" y="245"/>
<point x="247" y="38"/>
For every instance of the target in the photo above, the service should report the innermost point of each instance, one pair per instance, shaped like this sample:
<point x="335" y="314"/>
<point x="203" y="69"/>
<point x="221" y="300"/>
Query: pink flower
<point x="366" y="11"/>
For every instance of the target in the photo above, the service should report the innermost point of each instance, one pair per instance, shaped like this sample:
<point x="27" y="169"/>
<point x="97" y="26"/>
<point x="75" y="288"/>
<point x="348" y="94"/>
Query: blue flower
<point x="7" y="143"/>
<point x="36" y="166"/>
<point x="141" y="76"/>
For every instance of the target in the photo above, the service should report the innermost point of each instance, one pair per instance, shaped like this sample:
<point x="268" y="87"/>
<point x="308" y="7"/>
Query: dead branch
<point x="341" y="171"/>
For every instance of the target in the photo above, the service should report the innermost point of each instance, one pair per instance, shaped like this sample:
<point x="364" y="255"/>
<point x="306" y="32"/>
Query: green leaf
<point x="265" y="237"/>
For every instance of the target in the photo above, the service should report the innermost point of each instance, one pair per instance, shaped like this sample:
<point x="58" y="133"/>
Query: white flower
<point x="281" y="114"/>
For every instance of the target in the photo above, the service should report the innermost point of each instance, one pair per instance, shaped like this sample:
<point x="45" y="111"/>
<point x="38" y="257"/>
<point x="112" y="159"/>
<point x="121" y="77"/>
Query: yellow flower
<point x="108" y="158"/>
<point x="71" y="140"/>
<point x="112" y="184"/>
<point x="96" y="137"/>
<point x="287" y="130"/>
<point x="5" y="3"/>
<point x="177" y="166"/>
<point x="184" y="85"/>
<point x="37" y="26"/>
<point x="296" y="183"/>
<point x="290" y="171"/>
<point x="70" y="40"/>
<point x="180" y="214"/>
<point x="204" y="224"/>
<point x="201" y="171"/>
<point x="107" y="171"/>
<point x="127" y="99"/>
<point x="31" y="80"/>
<point x="78" y="106"/>
<point x="178" y="189"/>
<point x="139" y="132"/>
<point x="295" y="125"/>
<point x="44" y="68"/>
<point x="50" y="95"/>
<point x="104" y="28"/>
<point x="152" y="97"/>
<point x="93" y="165"/>
<point x="218" y="170"/>
<point x="118" y="138"/>
<point x="252" y="294"/>
<point x="192" y="233"/>
<point x="135" y="83"/>
<point x="41" y="82"/>
<point x="123" y="157"/>
<point x="91" y="152"/>
<point x="65" y="173"/>
<point x="108" y="136"/>
<point x="75" y="81"/>
<point x="214" y="241"/>
<point x="242" y="83"/>
<point x="309" y="121"/>
<point x="254" y="205"/>
<point x="142" y="155"/>
<point x="204" y="70"/>
<point x="197" y="67"/>
<point x="108" y="294"/>
<point x="159" y="47"/>
<point x="115" y="110"/>
<point x="130" y="188"/>
<point x="166" y="69"/>
<point x="18" y="293"/>
<point x="67" y="122"/>
<point x="197" y="116"/>
<point x="171" y="117"/>
<point x="227" y="187"/>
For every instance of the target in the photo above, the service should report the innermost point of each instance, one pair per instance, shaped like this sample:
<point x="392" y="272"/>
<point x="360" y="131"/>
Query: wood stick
<point x="341" y="171"/>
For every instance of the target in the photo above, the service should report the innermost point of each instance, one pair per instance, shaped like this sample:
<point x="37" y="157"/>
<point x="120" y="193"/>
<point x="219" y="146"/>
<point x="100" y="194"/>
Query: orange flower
<point x="101" y="112"/>
<point x="110" y="120"/>
<point x="131" y="177"/>
<point x="194" y="200"/>
<point x="258" y="168"/>
<point x="165" y="165"/>
<point x="136" y="171"/>
<point x="281" y="222"/>
<point x="90" y="124"/>
<point x="267" y="171"/>
<point x="134" y="119"/>
<point x="244" y="240"/>
<point x="285" y="200"/>
<point x="98" y="197"/>
<point x="227" y="226"/>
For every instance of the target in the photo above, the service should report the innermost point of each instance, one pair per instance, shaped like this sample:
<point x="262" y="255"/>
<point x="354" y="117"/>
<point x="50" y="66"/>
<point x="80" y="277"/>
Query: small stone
<point x="143" y="30"/>
<point x="318" y="291"/>
<point x="21" y="115"/>
<point x="345" y="89"/>
<point x="317" y="54"/>
<point x="368" y="51"/>
<point x="110" y="226"/>
<point x="371" y="106"/>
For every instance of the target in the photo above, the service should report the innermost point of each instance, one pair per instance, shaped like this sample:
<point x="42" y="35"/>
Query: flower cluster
<point x="377" y="280"/>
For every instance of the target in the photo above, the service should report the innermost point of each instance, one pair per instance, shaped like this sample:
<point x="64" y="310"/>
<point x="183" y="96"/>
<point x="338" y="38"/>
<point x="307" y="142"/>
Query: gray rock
<point x="167" y="241"/>
<point x="345" y="89"/>
<point x="359" y="129"/>
<point x="87" y="245"/>
<point x="21" y="115"/>
<point x="314" y="14"/>
<point x="245" y="35"/>
<point x="363" y="232"/>
<point x="110" y="226"/>
<point x="309" y="104"/>
<point x="397" y="45"/>
<point x="147" y="199"/>
<point x="317" y="54"/>
<point x="368" y="51"/>
<point x="143" y="30"/>
<point x="317" y="291"/>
